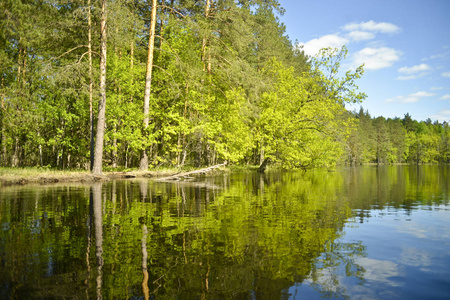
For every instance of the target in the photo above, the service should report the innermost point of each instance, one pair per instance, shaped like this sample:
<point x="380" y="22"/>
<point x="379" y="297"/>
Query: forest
<point x="89" y="84"/>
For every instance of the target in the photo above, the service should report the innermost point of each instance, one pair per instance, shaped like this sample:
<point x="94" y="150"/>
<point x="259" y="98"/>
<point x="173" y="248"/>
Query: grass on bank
<point x="37" y="172"/>
<point x="12" y="176"/>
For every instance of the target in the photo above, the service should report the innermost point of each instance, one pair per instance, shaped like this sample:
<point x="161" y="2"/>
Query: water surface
<point x="359" y="233"/>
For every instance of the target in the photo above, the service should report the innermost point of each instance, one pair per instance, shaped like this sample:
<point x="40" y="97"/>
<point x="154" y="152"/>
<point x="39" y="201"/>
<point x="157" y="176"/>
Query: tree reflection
<point x="143" y="188"/>
<point x="256" y="238"/>
<point x="145" y="289"/>
<point x="96" y="200"/>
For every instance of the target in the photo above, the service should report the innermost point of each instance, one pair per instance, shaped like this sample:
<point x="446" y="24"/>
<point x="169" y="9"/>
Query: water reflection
<point x="395" y="265"/>
<point x="241" y="235"/>
<point x="96" y="202"/>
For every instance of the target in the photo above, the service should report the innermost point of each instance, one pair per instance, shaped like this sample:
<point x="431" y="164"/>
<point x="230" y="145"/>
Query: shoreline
<point x="49" y="177"/>
<point x="11" y="177"/>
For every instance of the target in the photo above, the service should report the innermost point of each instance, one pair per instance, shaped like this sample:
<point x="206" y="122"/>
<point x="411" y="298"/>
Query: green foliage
<point x="299" y="124"/>
<point x="227" y="85"/>
<point x="392" y="141"/>
<point x="326" y="69"/>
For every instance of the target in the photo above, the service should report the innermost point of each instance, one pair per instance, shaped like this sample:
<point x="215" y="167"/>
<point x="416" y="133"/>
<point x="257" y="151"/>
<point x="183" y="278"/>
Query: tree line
<point x="144" y="83"/>
<point x="390" y="141"/>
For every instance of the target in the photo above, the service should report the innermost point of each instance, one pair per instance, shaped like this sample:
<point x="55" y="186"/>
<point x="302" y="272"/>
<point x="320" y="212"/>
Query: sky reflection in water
<point x="360" y="233"/>
<point x="407" y="256"/>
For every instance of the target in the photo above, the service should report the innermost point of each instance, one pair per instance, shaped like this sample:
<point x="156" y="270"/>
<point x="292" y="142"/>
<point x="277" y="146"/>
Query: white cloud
<point x="372" y="26"/>
<point x="414" y="69"/>
<point x="443" y="115"/>
<point x="445" y="97"/>
<point x="313" y="46"/>
<point x="414" y="72"/>
<point x="360" y="35"/>
<point x="411" y="98"/>
<point x="437" y="88"/>
<point x="355" y="32"/>
<point x="446" y="74"/>
<point x="442" y="55"/>
<point x="422" y="94"/>
<point x="376" y="58"/>
<point x="409" y="77"/>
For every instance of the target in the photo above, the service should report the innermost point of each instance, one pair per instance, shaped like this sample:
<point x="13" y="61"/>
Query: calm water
<point x="359" y="233"/>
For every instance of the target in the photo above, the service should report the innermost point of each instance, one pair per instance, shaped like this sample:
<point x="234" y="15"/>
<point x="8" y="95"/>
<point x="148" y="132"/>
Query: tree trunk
<point x="19" y="61"/>
<point x="126" y="157"/>
<point x="98" y="155"/>
<point x="15" y="157"/>
<point x="263" y="166"/>
<point x="114" y="151"/>
<point x="179" y="149"/>
<point x="118" y="91"/>
<point x="182" y="136"/>
<point x="261" y="154"/>
<point x="91" y="110"/>
<point x="132" y="66"/>
<point x="148" y="81"/>
<point x="24" y="69"/>
<point x="40" y="152"/>
<point x="183" y="159"/>
<point x="4" y="160"/>
<point x="188" y="175"/>
<point x="206" y="57"/>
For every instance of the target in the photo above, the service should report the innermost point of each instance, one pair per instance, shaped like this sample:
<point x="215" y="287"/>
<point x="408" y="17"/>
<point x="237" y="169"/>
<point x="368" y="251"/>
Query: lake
<point x="359" y="233"/>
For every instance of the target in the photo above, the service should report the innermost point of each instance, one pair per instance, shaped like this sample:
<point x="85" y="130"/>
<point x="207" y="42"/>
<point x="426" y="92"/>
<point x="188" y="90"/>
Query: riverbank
<point x="22" y="176"/>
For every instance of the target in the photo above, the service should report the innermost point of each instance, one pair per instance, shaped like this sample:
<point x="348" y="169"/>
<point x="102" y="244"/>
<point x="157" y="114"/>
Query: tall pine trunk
<point x="91" y="110"/>
<point x="206" y="55"/>
<point x="3" y="160"/>
<point x="131" y="67"/>
<point x="98" y="154"/>
<point x="118" y="91"/>
<point x="206" y="58"/>
<point x="148" y="81"/>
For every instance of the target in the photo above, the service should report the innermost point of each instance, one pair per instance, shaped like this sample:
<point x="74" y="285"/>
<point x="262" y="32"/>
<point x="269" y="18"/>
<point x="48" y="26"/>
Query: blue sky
<point x="404" y="44"/>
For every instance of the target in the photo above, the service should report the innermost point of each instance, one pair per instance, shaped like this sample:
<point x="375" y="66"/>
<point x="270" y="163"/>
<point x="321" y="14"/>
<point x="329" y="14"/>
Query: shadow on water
<point x="234" y="236"/>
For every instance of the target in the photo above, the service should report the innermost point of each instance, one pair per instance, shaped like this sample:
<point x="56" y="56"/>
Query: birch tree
<point x="98" y="153"/>
<point x="148" y="81"/>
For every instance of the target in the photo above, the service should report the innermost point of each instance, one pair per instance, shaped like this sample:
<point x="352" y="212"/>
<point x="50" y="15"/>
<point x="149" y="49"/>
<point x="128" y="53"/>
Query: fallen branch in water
<point x="188" y="175"/>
